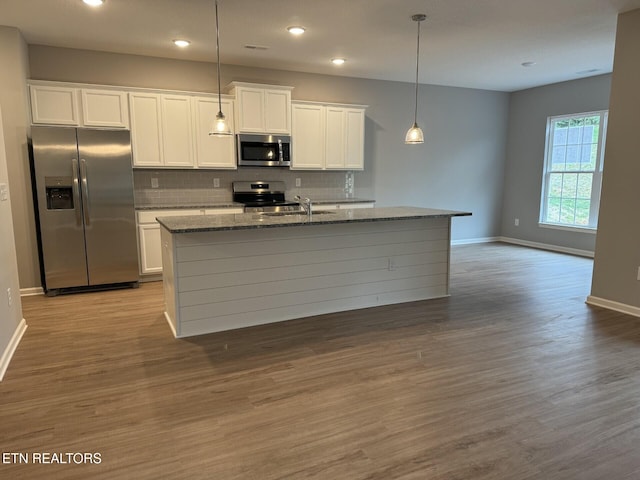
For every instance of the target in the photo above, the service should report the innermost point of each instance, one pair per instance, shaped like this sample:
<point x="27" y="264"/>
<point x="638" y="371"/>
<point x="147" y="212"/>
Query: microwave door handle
<point x="76" y="191"/>
<point x="280" y="154"/>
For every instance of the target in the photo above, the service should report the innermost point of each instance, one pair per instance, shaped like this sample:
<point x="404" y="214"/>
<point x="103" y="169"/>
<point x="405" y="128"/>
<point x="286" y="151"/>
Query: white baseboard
<point x="546" y="246"/>
<point x="29" y="292"/>
<point x="470" y="241"/>
<point x="611" y="305"/>
<point x="11" y="348"/>
<point x="168" y="319"/>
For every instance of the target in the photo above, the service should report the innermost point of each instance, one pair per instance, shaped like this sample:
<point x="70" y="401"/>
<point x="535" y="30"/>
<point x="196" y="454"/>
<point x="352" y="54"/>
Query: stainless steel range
<point x="263" y="196"/>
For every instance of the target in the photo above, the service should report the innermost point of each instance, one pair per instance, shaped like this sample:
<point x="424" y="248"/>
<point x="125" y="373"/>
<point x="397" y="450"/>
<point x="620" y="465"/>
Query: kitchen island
<point x="223" y="272"/>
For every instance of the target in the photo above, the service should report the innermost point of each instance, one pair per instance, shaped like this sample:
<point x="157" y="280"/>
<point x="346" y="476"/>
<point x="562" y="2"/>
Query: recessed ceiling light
<point x="528" y="64"/>
<point x="338" y="61"/>
<point x="181" y="43"/>
<point x="94" y="3"/>
<point x="296" y="30"/>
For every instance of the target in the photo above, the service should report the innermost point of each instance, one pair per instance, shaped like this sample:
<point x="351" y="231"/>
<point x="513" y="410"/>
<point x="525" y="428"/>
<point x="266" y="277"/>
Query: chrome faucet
<point x="305" y="204"/>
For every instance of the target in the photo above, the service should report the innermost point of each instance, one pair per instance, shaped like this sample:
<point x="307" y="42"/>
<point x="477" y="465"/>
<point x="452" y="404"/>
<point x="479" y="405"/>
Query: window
<point x="573" y="170"/>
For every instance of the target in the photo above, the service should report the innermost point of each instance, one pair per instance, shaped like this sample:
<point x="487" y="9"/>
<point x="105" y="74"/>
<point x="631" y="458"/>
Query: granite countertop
<point x="232" y="204"/>
<point x="228" y="204"/>
<point x="325" y="201"/>
<point x="246" y="221"/>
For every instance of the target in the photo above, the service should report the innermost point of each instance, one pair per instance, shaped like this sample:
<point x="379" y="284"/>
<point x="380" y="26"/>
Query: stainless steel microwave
<point x="264" y="150"/>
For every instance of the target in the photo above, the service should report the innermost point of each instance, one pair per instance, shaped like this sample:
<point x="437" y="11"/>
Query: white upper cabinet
<point x="354" y="139"/>
<point x="327" y="136"/>
<point x="84" y="107"/>
<point x="308" y="136"/>
<point x="262" y="108"/>
<point x="104" y="108"/>
<point x="146" y="129"/>
<point x="177" y="131"/>
<point x="52" y="105"/>
<point x="213" y="151"/>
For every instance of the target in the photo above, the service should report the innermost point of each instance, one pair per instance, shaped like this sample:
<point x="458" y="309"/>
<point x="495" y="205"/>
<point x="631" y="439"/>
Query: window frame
<point x="596" y="181"/>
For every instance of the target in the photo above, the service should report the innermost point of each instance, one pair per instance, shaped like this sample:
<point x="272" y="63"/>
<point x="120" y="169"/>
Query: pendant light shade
<point x="414" y="135"/>
<point x="220" y="125"/>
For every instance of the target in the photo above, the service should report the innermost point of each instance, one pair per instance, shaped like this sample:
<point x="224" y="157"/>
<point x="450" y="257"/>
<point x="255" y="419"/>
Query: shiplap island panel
<point x="233" y="271"/>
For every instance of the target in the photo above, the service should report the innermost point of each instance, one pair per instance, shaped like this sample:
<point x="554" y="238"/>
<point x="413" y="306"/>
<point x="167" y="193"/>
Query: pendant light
<point x="220" y="126"/>
<point x="414" y="135"/>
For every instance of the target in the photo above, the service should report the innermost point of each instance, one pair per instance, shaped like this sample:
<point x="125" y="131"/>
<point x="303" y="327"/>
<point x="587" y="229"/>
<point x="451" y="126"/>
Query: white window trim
<point x="597" y="173"/>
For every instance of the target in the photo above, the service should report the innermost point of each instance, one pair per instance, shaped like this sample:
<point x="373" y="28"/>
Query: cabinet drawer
<point x="149" y="216"/>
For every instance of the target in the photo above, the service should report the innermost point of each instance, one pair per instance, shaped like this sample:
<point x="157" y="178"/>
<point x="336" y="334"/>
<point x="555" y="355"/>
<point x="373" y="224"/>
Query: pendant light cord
<point x="415" y="117"/>
<point x="218" y="55"/>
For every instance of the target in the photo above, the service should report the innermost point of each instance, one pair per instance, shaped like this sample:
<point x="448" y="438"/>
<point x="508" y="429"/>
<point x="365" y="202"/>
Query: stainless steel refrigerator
<point x="83" y="187"/>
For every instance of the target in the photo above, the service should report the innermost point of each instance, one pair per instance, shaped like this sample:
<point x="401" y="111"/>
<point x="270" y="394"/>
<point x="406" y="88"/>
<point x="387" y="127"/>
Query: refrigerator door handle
<point x="76" y="191"/>
<point x="85" y="192"/>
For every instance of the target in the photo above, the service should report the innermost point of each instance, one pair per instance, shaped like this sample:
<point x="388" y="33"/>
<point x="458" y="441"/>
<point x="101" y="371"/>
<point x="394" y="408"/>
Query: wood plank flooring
<point x="512" y="377"/>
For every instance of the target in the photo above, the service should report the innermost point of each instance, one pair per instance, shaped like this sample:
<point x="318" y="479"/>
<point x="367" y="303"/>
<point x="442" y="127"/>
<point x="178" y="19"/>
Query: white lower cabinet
<point x="149" y="243"/>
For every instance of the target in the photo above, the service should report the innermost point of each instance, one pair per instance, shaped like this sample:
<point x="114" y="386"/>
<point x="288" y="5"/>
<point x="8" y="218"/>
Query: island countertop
<point x="245" y="221"/>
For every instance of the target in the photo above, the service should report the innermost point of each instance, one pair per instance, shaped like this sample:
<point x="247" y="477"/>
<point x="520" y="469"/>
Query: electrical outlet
<point x="154" y="182"/>
<point x="9" y="298"/>
<point x="216" y="183"/>
<point x="4" y="192"/>
<point x="516" y="222"/>
<point x="298" y="182"/>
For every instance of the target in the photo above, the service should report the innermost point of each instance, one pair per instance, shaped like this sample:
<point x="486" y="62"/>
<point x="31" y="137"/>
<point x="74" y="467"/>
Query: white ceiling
<point x="465" y="43"/>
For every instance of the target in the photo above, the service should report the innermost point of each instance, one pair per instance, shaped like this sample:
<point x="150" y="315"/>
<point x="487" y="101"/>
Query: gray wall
<point x="14" y="70"/>
<point x="617" y="256"/>
<point x="528" y="112"/>
<point x="12" y="156"/>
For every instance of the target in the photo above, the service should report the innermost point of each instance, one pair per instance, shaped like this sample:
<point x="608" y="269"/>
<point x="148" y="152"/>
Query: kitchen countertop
<point x="183" y="206"/>
<point x="245" y="221"/>
<point x="232" y="204"/>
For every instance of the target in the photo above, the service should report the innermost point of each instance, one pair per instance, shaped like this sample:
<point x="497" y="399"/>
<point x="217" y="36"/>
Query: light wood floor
<point x="512" y="377"/>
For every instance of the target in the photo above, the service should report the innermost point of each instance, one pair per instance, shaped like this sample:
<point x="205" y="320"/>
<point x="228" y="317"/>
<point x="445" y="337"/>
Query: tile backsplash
<point x="196" y="187"/>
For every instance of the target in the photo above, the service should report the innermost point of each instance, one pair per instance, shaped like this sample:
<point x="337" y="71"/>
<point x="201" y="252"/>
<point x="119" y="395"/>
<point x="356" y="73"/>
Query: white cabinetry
<point x="61" y="105"/>
<point x="262" y="108"/>
<point x="327" y="136"/>
<point x="146" y="129"/>
<point x="149" y="243"/>
<point x="173" y="131"/>
<point x="54" y="105"/>
<point x="177" y="131"/>
<point x="308" y="136"/>
<point x="213" y="151"/>
<point x="104" y="108"/>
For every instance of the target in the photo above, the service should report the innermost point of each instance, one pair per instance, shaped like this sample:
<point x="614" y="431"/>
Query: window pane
<point x="575" y="134"/>
<point x="573" y="158"/>
<point x="582" y="212"/>
<point x="585" y="181"/>
<point x="557" y="158"/>
<point x="569" y="185"/>
<point x="553" y="210"/>
<point x="588" y="157"/>
<point x="567" y="210"/>
<point x="559" y="136"/>
<point x="555" y="185"/>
